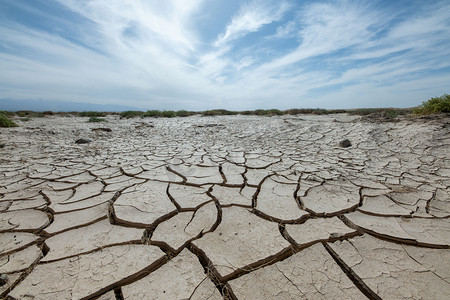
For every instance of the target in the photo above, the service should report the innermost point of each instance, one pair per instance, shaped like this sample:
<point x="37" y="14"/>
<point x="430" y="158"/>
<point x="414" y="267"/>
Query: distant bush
<point x="92" y="114"/>
<point x="160" y="114"/>
<point x="247" y="112"/>
<point x="152" y="114"/>
<point x="268" y="112"/>
<point x="307" y="111"/>
<point x="219" y="112"/>
<point x="389" y="112"/>
<point x="337" y="111"/>
<point x="168" y="114"/>
<point x="5" y="122"/>
<point x="96" y="120"/>
<point x="434" y="105"/>
<point x="29" y="114"/>
<point x="7" y="113"/>
<point x="364" y="111"/>
<point x="131" y="114"/>
<point x="185" y="113"/>
<point x="22" y="114"/>
<point x="275" y="112"/>
<point x="393" y="113"/>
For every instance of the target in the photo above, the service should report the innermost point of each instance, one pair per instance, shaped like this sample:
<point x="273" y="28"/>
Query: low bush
<point x="184" y="113"/>
<point x="5" y="122"/>
<point x="307" y="111"/>
<point x="96" y="120"/>
<point x="364" y="111"/>
<point x="275" y="112"/>
<point x="168" y="114"/>
<point x="92" y="114"/>
<point x="219" y="112"/>
<point x="152" y="114"/>
<point x="390" y="112"/>
<point x="29" y="114"/>
<point x="268" y="112"/>
<point x="23" y="113"/>
<point x="8" y="113"/>
<point x="164" y="114"/>
<point x="247" y="112"/>
<point x="337" y="111"/>
<point x="434" y="105"/>
<point x="131" y="114"/>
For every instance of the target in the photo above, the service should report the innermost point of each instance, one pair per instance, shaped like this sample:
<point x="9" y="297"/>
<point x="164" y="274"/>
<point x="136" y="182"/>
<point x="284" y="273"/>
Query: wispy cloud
<point x="265" y="54"/>
<point x="287" y="30"/>
<point x="251" y="17"/>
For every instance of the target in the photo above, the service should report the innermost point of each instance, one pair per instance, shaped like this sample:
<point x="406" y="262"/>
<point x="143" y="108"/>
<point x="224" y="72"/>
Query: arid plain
<point x="234" y="207"/>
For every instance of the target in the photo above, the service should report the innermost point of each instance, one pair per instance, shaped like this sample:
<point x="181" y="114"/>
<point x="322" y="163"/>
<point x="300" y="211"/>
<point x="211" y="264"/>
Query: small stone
<point x="2" y="146"/>
<point x="345" y="143"/>
<point x="102" y="129"/>
<point x="3" y="279"/>
<point x="143" y="124"/>
<point x="83" y="141"/>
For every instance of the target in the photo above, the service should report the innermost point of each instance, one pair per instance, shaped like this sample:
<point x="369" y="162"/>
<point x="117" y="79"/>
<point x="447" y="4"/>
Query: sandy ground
<point x="237" y="207"/>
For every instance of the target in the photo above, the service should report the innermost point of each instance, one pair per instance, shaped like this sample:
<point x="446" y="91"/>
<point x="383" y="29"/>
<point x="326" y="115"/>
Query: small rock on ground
<point x="345" y="143"/>
<point x="83" y="141"/>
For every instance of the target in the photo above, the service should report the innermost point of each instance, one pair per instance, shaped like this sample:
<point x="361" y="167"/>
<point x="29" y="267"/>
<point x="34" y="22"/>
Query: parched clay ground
<point x="237" y="207"/>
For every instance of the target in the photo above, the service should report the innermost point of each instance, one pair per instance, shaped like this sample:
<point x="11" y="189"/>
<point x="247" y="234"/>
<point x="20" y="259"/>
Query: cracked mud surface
<point x="237" y="207"/>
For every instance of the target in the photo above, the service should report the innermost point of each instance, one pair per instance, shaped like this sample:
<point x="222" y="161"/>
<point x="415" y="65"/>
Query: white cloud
<point x="151" y="54"/>
<point x="251" y="17"/>
<point x="325" y="29"/>
<point x="165" y="22"/>
<point x="287" y="30"/>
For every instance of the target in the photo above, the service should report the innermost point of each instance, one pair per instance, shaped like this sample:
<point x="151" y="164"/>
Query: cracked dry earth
<point x="237" y="207"/>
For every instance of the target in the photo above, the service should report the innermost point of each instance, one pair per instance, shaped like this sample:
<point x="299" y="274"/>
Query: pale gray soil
<point x="236" y="207"/>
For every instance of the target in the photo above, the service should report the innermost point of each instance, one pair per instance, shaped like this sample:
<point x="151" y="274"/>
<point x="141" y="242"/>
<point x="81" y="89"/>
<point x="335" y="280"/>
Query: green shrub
<point x="364" y="111"/>
<point x="131" y="114"/>
<point x="434" y="105"/>
<point x="337" y="111"/>
<point x="247" y="112"/>
<point x="168" y="114"/>
<point x="23" y="113"/>
<point x="219" y="112"/>
<point x="260" y="112"/>
<point x="390" y="112"/>
<point x="8" y="113"/>
<point x="25" y="119"/>
<point x="268" y="112"/>
<point x="5" y="122"/>
<point x="92" y="114"/>
<point x="307" y="111"/>
<point x="37" y="115"/>
<point x="96" y="120"/>
<point x="185" y="113"/>
<point x="320" y="111"/>
<point x="292" y="111"/>
<point x="275" y="112"/>
<point x="152" y="114"/>
<point x="29" y="114"/>
<point x="162" y="114"/>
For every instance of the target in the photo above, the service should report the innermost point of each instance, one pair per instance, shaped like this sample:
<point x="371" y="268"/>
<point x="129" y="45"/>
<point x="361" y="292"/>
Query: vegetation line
<point x="434" y="105"/>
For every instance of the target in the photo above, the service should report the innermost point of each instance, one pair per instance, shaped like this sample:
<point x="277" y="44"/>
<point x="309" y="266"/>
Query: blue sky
<point x="203" y="54"/>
